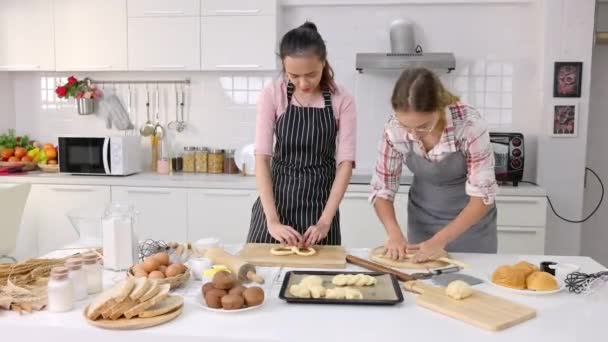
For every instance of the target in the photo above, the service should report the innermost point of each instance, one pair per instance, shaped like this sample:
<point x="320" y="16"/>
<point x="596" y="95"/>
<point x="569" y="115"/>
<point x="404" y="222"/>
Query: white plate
<point x="201" y="303"/>
<point x="246" y="154"/>
<point x="528" y="292"/>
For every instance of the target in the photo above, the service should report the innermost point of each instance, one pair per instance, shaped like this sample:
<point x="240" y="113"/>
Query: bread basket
<point x="175" y="282"/>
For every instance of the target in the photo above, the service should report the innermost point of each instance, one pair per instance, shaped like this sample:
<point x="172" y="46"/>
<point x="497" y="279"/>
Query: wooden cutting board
<point x="259" y="254"/>
<point x="377" y="255"/>
<point x="481" y="309"/>
<point x="134" y="323"/>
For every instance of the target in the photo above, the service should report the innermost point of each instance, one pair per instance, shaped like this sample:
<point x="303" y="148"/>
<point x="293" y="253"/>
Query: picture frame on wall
<point x="565" y="121"/>
<point x="567" y="79"/>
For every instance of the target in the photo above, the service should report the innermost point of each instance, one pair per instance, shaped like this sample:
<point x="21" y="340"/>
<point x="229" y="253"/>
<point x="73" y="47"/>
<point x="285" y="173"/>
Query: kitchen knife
<point x="435" y="272"/>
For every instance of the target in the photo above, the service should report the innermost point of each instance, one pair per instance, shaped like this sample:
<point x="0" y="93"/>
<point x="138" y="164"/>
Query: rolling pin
<point x="243" y="270"/>
<point x="372" y="266"/>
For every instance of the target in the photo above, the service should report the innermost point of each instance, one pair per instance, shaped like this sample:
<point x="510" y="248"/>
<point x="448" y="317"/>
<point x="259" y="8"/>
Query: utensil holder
<point x="86" y="106"/>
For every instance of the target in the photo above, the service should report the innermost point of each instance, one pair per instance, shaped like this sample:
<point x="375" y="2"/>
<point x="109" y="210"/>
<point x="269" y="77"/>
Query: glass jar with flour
<point x="120" y="244"/>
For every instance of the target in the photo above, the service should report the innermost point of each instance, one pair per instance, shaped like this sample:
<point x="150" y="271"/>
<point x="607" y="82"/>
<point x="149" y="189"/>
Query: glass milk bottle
<point x="120" y="244"/>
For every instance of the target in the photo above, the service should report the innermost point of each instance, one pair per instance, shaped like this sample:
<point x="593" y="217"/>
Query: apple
<point x="4" y="159"/>
<point x="13" y="159"/>
<point x="20" y="152"/>
<point x="7" y="153"/>
<point x="26" y="159"/>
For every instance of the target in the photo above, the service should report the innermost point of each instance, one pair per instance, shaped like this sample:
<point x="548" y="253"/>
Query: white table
<point x="561" y="317"/>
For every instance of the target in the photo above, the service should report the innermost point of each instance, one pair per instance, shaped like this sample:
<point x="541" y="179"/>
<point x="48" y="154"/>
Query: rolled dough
<point x="377" y="255"/>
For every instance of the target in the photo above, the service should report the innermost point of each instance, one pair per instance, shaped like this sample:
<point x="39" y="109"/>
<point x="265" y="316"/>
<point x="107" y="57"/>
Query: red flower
<point x="61" y="91"/>
<point x="72" y="80"/>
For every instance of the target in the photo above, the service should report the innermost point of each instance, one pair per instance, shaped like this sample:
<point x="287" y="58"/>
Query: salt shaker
<point x="78" y="277"/>
<point x="93" y="271"/>
<point x="60" y="290"/>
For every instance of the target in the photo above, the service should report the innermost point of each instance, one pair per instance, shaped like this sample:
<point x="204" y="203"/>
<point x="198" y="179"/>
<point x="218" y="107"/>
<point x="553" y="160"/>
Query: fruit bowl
<point x="27" y="166"/>
<point x="53" y="168"/>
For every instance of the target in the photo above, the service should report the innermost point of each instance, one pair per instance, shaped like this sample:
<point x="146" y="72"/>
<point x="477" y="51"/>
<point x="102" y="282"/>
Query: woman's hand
<point x="430" y="249"/>
<point x="285" y="234"/>
<point x="396" y="247"/>
<point x="316" y="233"/>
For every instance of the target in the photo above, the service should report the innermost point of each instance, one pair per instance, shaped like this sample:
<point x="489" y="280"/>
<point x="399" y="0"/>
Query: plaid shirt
<point x="464" y="131"/>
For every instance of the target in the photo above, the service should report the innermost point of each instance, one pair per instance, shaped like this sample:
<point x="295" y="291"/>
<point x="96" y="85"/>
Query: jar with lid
<point x="188" y="158"/>
<point x="177" y="162"/>
<point x="60" y="291"/>
<point x="78" y="277"/>
<point x="163" y="165"/>
<point x="93" y="272"/>
<point x="229" y="163"/>
<point x="120" y="244"/>
<point x="202" y="160"/>
<point x="216" y="161"/>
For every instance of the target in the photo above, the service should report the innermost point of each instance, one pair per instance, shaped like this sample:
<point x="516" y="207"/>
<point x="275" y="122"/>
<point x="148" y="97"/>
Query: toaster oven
<point x="509" y="156"/>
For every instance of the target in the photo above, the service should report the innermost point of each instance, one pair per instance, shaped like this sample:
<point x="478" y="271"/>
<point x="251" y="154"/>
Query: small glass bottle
<point x="60" y="290"/>
<point x="177" y="162"/>
<point x="163" y="165"/>
<point x="188" y="158"/>
<point x="202" y="160"/>
<point x="93" y="271"/>
<point x="78" y="277"/>
<point x="229" y="163"/>
<point x="216" y="161"/>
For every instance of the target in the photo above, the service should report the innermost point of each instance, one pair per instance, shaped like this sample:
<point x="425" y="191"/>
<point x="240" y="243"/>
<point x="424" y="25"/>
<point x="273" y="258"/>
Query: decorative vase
<point x="86" y="106"/>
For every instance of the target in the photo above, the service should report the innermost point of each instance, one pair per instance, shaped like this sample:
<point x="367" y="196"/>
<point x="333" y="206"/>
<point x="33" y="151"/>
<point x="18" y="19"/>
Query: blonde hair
<point x="420" y="90"/>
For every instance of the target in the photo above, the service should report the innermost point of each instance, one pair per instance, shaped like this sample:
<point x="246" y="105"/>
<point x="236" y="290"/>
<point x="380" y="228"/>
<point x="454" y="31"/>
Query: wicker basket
<point x="175" y="282"/>
<point x="27" y="166"/>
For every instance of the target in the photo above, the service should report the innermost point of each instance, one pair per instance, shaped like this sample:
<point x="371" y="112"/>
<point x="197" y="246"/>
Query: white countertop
<point x="561" y="317"/>
<point x="207" y="181"/>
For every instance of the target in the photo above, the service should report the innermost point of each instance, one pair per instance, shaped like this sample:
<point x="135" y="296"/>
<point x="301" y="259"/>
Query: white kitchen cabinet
<point x="221" y="213"/>
<point x="163" y="8"/>
<point x="162" y="211"/>
<point x="521" y="211"/>
<point x="91" y="35"/>
<point x="239" y="7"/>
<point x="521" y="240"/>
<point x="164" y="43"/>
<point x="47" y="209"/>
<point x="26" y="39"/>
<point x="238" y="42"/>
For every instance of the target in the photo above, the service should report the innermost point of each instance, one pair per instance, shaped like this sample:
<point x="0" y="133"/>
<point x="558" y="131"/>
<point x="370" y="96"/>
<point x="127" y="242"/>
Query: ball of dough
<point x="206" y="288"/>
<point x="312" y="280"/>
<point x="526" y="267"/>
<point x="232" y="302"/>
<point x="459" y="289"/>
<point x="253" y="296"/>
<point x="541" y="281"/>
<point x="237" y="290"/>
<point x="223" y="280"/>
<point x="350" y="293"/>
<point x="317" y="291"/>
<point x="509" y="276"/>
<point x="299" y="291"/>
<point x="213" y="298"/>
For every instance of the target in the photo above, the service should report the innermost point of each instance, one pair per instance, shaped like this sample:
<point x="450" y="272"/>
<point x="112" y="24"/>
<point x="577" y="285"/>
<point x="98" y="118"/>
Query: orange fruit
<point x="45" y="146"/>
<point x="13" y="159"/>
<point x="7" y="153"/>
<point x="26" y="159"/>
<point x="20" y="152"/>
<point x="51" y="153"/>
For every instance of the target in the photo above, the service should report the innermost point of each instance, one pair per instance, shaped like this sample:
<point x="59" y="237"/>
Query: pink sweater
<point x="272" y="103"/>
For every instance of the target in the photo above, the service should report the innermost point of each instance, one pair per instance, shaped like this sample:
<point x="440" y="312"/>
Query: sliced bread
<point x="107" y="299"/>
<point x="153" y="290"/>
<point x="121" y="308"/>
<point x="168" y="304"/>
<point x="136" y="310"/>
<point x="142" y="285"/>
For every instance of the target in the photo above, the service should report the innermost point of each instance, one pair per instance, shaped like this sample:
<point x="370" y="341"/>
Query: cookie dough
<point x="354" y="280"/>
<point x="343" y="293"/>
<point x="281" y="250"/>
<point x="299" y="291"/>
<point x="459" y="289"/>
<point x="286" y="250"/>
<point x="311" y="280"/>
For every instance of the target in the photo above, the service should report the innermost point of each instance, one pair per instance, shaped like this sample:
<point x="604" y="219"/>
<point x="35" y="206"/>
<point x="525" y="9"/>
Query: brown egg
<point x="141" y="273"/>
<point x="151" y="264"/>
<point x="156" y="275"/>
<point x="173" y="270"/>
<point x="138" y="268"/>
<point x="182" y="267"/>
<point x="232" y="302"/>
<point x="223" y="280"/>
<point x="162" y="257"/>
<point x="237" y="290"/>
<point x="206" y="288"/>
<point x="254" y="296"/>
<point x="162" y="268"/>
<point x="213" y="298"/>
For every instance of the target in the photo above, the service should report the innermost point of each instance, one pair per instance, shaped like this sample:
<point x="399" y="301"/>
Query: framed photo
<point x="567" y="79"/>
<point x="565" y="120"/>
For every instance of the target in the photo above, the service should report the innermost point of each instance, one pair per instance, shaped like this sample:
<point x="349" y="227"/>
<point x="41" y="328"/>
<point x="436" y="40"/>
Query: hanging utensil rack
<point x="183" y="81"/>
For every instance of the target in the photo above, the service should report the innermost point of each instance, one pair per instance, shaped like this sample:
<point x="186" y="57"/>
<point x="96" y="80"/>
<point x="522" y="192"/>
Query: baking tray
<point x="385" y="292"/>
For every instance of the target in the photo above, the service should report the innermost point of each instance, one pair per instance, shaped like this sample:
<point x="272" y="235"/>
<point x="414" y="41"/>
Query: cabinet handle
<point x="89" y="67"/>
<point x="237" y="11"/>
<point x="157" y="192"/>
<point x="517" y="200"/>
<point x="168" y="66"/>
<point x="72" y="189"/>
<point x="228" y="194"/>
<point x="357" y="195"/>
<point x="517" y="230"/>
<point x="163" y="12"/>
<point x="20" y="67"/>
<point x="238" y="66"/>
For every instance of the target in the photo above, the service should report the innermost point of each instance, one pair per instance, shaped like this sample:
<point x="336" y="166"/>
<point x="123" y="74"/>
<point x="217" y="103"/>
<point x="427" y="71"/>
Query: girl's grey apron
<point x="437" y="196"/>
<point x="303" y="169"/>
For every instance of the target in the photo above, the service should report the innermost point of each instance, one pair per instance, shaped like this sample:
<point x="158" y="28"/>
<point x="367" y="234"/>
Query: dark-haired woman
<point x="302" y="179"/>
<point x="446" y="145"/>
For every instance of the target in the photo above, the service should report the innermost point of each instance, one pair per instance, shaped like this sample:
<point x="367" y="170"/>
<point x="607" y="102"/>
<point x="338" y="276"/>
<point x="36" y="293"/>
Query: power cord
<point x="594" y="210"/>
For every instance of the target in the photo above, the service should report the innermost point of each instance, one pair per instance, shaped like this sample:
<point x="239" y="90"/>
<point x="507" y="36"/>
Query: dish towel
<point x="115" y="113"/>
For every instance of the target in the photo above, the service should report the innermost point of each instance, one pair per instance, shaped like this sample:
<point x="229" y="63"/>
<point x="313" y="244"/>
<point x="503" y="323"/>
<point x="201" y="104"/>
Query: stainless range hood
<point x="403" y="54"/>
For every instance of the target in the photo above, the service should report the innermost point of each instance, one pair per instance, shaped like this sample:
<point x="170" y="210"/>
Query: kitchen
<point x="186" y="51"/>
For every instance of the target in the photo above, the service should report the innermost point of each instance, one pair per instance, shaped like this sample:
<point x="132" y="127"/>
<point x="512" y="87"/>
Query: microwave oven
<point x="508" y="156"/>
<point x="105" y="155"/>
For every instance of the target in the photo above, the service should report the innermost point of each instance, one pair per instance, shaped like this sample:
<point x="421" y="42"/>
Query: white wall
<point x="595" y="233"/>
<point x="7" y="110"/>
